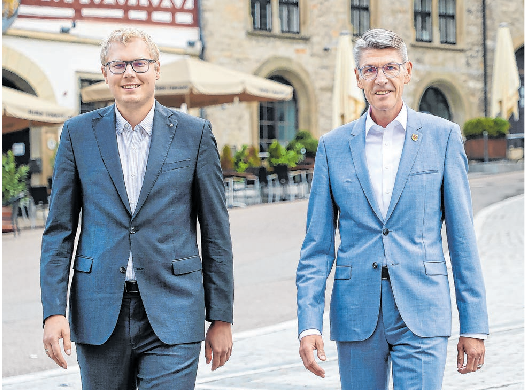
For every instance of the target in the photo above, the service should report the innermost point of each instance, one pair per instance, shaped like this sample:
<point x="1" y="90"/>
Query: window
<point x="289" y="16"/>
<point x="262" y="15"/>
<point x="447" y="21"/>
<point x="277" y="120"/>
<point x="360" y="16"/>
<point x="423" y="20"/>
<point x="86" y="107"/>
<point x="435" y="102"/>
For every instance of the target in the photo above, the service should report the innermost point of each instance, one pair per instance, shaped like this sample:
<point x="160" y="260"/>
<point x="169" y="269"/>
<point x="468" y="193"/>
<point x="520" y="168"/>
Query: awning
<point x="21" y="110"/>
<point x="199" y="83"/>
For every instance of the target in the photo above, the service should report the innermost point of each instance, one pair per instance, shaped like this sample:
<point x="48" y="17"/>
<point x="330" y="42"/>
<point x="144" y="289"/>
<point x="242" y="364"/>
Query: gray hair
<point x="379" y="39"/>
<point x="124" y="35"/>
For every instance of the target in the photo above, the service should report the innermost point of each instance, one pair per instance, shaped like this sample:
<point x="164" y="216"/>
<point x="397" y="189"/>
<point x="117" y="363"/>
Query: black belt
<point x="131" y="286"/>
<point x="384" y="273"/>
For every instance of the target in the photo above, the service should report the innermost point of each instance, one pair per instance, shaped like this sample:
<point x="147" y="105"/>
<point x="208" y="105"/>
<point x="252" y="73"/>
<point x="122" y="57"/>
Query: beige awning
<point x="21" y="110"/>
<point x="199" y="83"/>
<point x="505" y="77"/>
<point x="347" y="97"/>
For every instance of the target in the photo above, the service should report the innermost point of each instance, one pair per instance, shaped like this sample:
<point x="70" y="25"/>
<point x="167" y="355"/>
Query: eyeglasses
<point x="391" y="70"/>
<point x="139" y="66"/>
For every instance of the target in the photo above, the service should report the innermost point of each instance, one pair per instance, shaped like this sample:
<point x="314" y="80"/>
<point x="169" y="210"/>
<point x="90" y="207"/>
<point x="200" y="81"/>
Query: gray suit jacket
<point x="183" y="183"/>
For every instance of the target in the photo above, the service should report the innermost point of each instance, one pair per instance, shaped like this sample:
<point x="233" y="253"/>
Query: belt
<point x="131" y="286"/>
<point x="384" y="273"/>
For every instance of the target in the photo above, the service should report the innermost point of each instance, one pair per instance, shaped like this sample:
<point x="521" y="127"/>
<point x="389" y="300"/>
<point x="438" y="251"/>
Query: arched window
<point x="277" y="120"/>
<point x="435" y="102"/>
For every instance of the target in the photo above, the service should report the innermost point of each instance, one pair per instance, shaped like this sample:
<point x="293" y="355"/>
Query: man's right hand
<point x="55" y="328"/>
<point x="306" y="350"/>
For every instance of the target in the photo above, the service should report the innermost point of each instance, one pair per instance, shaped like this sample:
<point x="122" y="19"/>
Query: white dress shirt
<point x="133" y="148"/>
<point x="383" y="149"/>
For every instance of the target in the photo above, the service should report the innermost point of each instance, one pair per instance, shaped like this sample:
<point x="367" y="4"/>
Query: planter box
<point x="7" y="219"/>
<point x="475" y="148"/>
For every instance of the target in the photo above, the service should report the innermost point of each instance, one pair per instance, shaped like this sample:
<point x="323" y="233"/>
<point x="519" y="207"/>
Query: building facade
<point x="294" y="42"/>
<point x="52" y="51"/>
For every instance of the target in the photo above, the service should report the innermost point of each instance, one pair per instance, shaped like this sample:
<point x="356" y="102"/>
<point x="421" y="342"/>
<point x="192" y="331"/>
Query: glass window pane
<point x="435" y="102"/>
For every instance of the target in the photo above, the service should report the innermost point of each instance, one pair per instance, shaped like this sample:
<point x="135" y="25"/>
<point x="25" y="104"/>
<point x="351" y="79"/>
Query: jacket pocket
<point x="435" y="268"/>
<point x="83" y="263"/>
<point x="170" y="166"/>
<point x="424" y="172"/>
<point x="186" y="265"/>
<point x="343" y="272"/>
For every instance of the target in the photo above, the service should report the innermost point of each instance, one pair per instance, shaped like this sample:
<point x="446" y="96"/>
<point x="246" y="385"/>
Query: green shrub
<point x="245" y="158"/>
<point x="495" y="127"/>
<point x="304" y="138"/>
<point x="279" y="155"/>
<point x="13" y="177"/>
<point x="226" y="159"/>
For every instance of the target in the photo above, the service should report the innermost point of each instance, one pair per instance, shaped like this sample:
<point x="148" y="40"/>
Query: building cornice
<point x="69" y="38"/>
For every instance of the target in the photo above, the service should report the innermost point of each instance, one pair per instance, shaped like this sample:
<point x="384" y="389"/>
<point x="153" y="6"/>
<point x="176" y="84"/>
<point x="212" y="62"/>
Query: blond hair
<point x="125" y="35"/>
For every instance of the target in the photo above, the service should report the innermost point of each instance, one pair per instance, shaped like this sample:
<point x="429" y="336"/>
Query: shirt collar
<point x="401" y="118"/>
<point x="146" y="124"/>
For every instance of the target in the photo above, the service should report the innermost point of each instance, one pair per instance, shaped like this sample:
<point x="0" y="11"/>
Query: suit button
<point x="132" y="230"/>
<point x="123" y="270"/>
<point x="374" y="265"/>
<point x="385" y="232"/>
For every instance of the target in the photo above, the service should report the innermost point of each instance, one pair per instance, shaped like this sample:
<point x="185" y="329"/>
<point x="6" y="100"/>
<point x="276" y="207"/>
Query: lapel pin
<point x="415" y="137"/>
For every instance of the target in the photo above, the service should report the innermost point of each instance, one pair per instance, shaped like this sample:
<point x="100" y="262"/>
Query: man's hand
<point x="306" y="350"/>
<point x="55" y="328"/>
<point x="475" y="350"/>
<point x="218" y="344"/>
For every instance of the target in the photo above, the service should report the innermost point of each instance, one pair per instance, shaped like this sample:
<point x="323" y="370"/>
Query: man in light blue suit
<point x="138" y="177"/>
<point x="387" y="181"/>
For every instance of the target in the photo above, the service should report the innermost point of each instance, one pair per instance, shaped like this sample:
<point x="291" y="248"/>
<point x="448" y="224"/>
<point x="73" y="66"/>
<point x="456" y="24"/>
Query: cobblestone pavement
<point x="267" y="358"/>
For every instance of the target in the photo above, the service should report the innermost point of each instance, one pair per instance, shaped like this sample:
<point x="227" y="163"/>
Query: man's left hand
<point x="475" y="351"/>
<point x="218" y="344"/>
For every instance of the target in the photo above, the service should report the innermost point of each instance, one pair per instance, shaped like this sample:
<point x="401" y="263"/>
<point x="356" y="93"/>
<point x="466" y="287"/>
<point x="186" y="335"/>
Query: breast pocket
<point x="424" y="172"/>
<point x="170" y="166"/>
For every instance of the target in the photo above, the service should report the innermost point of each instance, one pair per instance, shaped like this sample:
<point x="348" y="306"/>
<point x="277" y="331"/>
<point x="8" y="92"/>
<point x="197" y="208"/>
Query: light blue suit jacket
<point x="431" y="186"/>
<point x="183" y="183"/>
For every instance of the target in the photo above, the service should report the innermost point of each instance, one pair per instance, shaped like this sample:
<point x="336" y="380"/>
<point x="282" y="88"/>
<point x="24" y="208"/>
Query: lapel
<point x="164" y="126"/>
<point x="357" y="148"/>
<point x="410" y="151"/>
<point x="104" y="127"/>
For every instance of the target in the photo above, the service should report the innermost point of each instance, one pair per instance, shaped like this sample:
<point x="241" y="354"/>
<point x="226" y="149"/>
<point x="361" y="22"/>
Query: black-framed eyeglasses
<point x="391" y="70"/>
<point x="140" y="66"/>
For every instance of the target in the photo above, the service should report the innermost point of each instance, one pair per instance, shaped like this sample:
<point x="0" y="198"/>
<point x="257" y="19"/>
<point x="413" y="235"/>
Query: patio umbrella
<point x="505" y="77"/>
<point x="347" y="97"/>
<point x="199" y="83"/>
<point x="21" y="110"/>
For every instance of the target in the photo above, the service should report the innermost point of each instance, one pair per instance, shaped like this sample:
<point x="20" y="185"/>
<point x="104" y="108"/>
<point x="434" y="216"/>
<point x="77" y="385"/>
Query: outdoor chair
<point x="268" y="184"/>
<point x="290" y="188"/>
<point x="40" y="203"/>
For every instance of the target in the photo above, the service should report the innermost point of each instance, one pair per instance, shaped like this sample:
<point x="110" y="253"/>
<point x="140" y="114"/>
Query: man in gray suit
<point x="138" y="176"/>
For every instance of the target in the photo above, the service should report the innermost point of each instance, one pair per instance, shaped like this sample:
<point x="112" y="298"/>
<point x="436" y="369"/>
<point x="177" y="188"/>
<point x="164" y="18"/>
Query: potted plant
<point x="278" y="155"/>
<point x="496" y="129"/>
<point x="13" y="187"/>
<point x="226" y="159"/>
<point x="309" y="144"/>
<point x="247" y="157"/>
